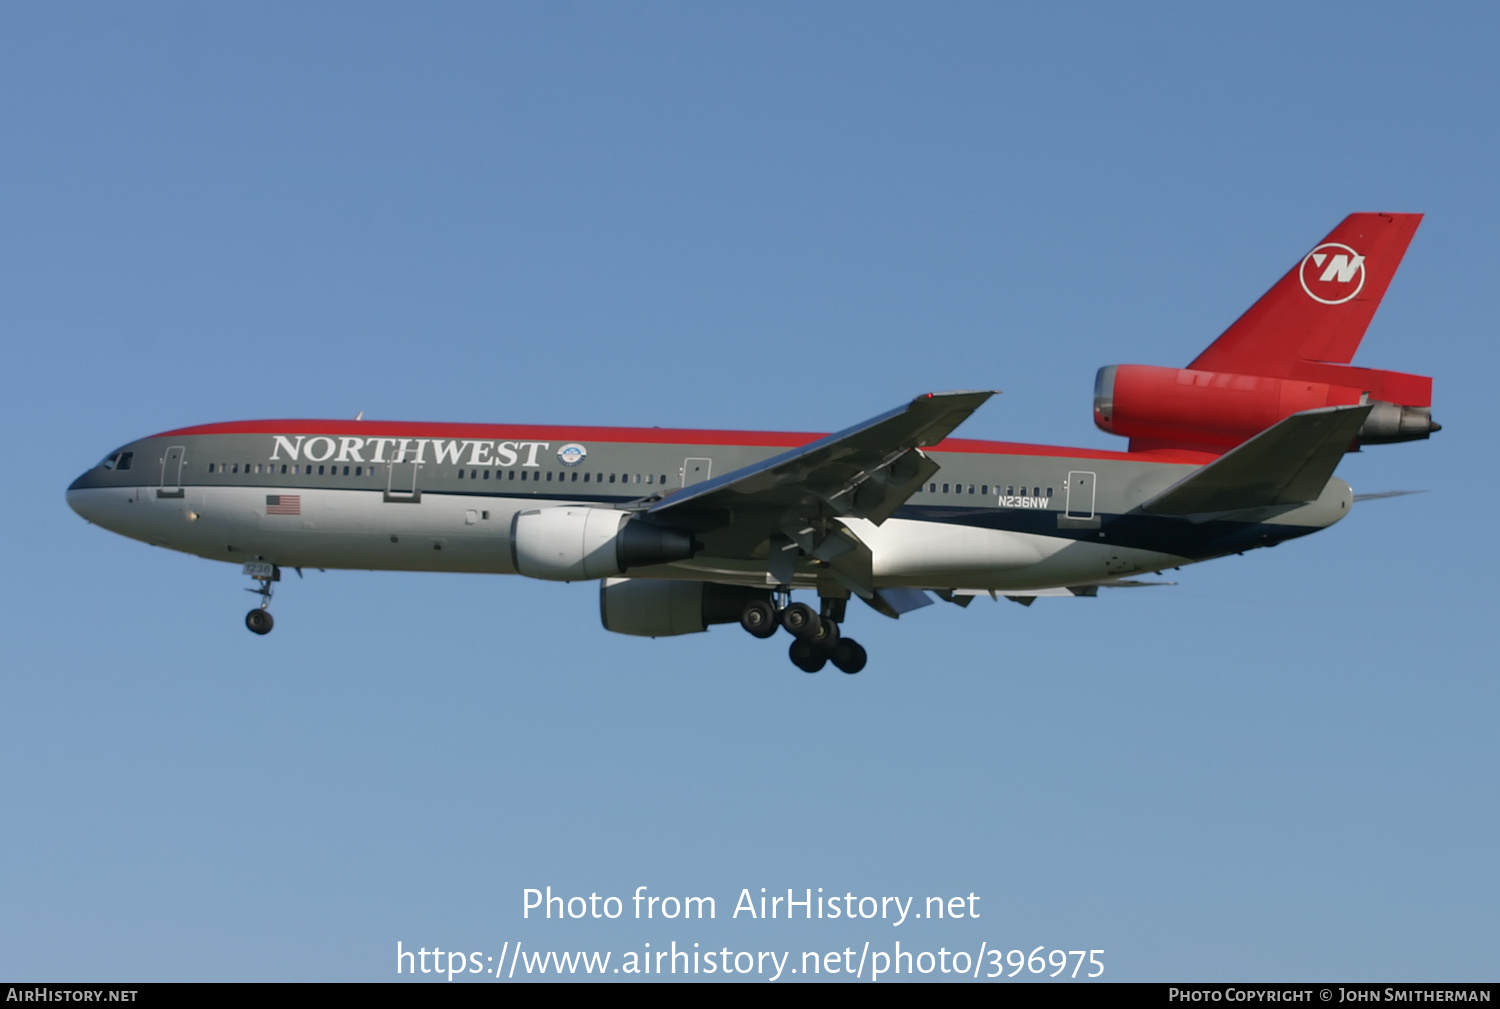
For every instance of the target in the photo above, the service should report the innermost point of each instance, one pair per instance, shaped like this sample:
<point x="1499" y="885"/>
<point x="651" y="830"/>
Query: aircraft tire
<point x="802" y="621"/>
<point x="759" y="618"/>
<point x="827" y="635"/>
<point x="808" y="656"/>
<point x="259" y="621"/>
<point x="849" y="655"/>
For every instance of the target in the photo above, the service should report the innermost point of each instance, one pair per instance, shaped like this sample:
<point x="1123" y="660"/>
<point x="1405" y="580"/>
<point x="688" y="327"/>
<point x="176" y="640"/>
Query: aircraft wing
<point x="1289" y="463"/>
<point x="866" y="471"/>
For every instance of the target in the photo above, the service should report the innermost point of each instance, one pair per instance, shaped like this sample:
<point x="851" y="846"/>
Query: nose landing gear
<point x="818" y="639"/>
<point x="259" y="620"/>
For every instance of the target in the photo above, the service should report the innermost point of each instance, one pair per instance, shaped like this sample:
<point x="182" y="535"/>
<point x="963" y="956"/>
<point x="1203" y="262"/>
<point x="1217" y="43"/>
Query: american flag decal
<point x="283" y="504"/>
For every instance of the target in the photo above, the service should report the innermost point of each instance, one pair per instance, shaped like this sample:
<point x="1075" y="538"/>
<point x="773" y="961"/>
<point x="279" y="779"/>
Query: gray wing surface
<point x="866" y="471"/>
<point x="791" y="505"/>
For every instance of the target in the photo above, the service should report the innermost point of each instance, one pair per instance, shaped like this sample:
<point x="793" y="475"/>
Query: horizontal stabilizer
<point x="1381" y="495"/>
<point x="1287" y="464"/>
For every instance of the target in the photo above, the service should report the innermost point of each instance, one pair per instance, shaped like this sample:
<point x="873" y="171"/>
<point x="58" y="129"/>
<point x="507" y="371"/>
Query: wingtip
<point x="960" y="392"/>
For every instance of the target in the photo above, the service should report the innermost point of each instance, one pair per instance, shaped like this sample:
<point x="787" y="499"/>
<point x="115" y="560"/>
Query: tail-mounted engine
<point x="570" y="544"/>
<point x="1214" y="411"/>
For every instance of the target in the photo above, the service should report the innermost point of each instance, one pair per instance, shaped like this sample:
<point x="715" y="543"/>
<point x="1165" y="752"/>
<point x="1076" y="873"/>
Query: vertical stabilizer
<point x="1320" y="310"/>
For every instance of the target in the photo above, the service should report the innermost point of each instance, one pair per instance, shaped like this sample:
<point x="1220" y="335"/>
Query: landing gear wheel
<point x="827" y="634"/>
<point x="259" y="621"/>
<point x="807" y="656"/>
<point x="848" y="655"/>
<point x="802" y="621"/>
<point x="759" y="618"/>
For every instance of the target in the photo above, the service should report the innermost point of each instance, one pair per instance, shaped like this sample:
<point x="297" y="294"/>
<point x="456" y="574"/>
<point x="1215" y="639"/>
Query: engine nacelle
<point x="1214" y="411"/>
<point x="659" y="608"/>
<point x="571" y="544"/>
<point x="1390" y="423"/>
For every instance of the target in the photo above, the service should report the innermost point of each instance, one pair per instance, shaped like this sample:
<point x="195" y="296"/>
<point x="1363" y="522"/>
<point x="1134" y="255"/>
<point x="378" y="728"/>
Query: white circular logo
<point x="572" y="454"/>
<point x="1337" y="274"/>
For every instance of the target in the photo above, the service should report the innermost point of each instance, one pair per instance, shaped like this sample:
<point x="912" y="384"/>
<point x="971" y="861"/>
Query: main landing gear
<point x="817" y="638"/>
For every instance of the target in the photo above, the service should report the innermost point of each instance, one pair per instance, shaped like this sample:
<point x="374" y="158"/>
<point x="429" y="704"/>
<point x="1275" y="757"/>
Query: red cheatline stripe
<point x="500" y="432"/>
<point x="688" y="438"/>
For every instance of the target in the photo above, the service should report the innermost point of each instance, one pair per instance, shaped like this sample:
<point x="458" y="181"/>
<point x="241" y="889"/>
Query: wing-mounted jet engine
<point x="571" y="544"/>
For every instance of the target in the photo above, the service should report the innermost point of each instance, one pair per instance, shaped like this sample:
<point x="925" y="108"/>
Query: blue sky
<point x="776" y="217"/>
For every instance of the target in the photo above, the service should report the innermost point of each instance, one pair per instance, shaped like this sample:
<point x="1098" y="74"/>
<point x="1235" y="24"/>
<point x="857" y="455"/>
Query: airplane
<point x="686" y="529"/>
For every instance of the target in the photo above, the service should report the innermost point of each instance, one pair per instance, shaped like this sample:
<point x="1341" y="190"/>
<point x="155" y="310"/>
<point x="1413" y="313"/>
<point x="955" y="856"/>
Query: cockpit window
<point x="109" y="463"/>
<point x="118" y="460"/>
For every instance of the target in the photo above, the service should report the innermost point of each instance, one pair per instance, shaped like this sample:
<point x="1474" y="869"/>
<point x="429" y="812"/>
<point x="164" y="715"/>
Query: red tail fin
<point x="1320" y="310"/>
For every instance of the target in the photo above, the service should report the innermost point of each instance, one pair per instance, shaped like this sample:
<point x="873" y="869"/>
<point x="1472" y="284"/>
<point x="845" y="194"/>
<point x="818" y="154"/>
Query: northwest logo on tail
<point x="1332" y="273"/>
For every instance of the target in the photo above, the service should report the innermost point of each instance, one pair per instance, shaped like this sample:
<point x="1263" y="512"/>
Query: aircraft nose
<point x="80" y="500"/>
<point x="75" y="499"/>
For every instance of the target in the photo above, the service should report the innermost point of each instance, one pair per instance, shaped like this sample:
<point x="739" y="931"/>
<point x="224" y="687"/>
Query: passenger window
<point x="210" y="467"/>
<point x="512" y="475"/>
<point x="320" y="471"/>
<point x="971" y="488"/>
<point x="523" y="474"/>
<point x="575" y="476"/>
<point x="649" y="478"/>
<point x="283" y="467"/>
<point x="236" y="467"/>
<point x="932" y="488"/>
<point x="585" y="478"/>
<point x="460" y="474"/>
<point x="486" y="476"/>
<point x="945" y="488"/>
<point x="549" y="476"/>
<point x="984" y="488"/>
<point x="611" y="478"/>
